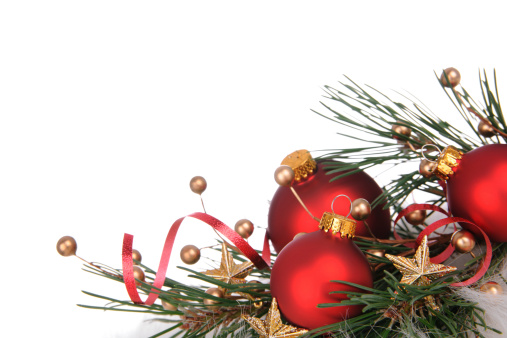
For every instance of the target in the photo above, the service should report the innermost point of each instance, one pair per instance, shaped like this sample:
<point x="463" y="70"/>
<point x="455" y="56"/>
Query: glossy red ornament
<point x="301" y="275"/>
<point x="287" y="217"/>
<point x="477" y="191"/>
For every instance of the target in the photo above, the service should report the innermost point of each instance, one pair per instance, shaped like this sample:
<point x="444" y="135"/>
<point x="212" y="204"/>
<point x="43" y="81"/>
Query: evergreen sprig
<point x="367" y="116"/>
<point x="195" y="319"/>
<point x="390" y="309"/>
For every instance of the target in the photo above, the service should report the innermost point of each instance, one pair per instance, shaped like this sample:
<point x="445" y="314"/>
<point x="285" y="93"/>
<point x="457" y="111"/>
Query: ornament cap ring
<point x="332" y="203"/>
<point x="429" y="145"/>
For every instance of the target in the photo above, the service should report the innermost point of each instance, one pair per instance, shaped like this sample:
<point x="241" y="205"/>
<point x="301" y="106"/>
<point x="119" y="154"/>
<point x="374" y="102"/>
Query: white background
<point x="108" y="108"/>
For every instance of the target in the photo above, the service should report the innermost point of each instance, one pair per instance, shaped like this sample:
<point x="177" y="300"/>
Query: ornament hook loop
<point x="332" y="203"/>
<point x="429" y="145"/>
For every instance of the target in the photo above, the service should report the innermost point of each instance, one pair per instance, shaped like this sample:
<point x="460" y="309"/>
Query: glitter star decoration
<point x="419" y="270"/>
<point x="230" y="272"/>
<point x="272" y="326"/>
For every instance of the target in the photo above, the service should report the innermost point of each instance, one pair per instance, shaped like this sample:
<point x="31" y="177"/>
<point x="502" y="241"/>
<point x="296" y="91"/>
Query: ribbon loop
<point x="128" y="268"/>
<point x="489" y="252"/>
<point x="450" y="248"/>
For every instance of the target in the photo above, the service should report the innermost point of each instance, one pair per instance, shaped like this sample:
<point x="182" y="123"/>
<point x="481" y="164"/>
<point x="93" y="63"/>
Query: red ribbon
<point x="408" y="210"/>
<point x="127" y="263"/>
<point x="450" y="248"/>
<point x="266" y="252"/>
<point x="489" y="252"/>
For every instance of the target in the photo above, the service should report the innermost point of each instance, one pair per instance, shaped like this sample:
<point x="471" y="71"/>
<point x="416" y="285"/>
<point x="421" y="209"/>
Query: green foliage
<point x="367" y="116"/>
<point x="193" y="318"/>
<point x="390" y="309"/>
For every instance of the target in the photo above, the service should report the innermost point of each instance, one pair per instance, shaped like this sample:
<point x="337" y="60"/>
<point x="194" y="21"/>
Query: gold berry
<point x="66" y="246"/>
<point x="376" y="252"/>
<point x="426" y="168"/>
<point x="190" y="254"/>
<point x="168" y="306"/>
<point x="400" y="129"/>
<point x="214" y="292"/>
<point x="453" y="76"/>
<point x="284" y="175"/>
<point x="255" y="282"/>
<point x="463" y="241"/>
<point x="138" y="274"/>
<point x="486" y="129"/>
<point x="198" y="184"/>
<point x="361" y="209"/>
<point x="136" y="255"/>
<point x="244" y="228"/>
<point x="416" y="217"/>
<point x="492" y="288"/>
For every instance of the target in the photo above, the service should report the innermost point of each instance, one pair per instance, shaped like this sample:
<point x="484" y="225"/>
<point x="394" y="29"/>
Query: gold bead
<point x="136" y="255"/>
<point x="426" y="168"/>
<point x="138" y="274"/>
<point x="214" y="292"/>
<point x="492" y="288"/>
<point x="463" y="241"/>
<point x="66" y="246"/>
<point x="403" y="130"/>
<point x="168" y="306"/>
<point x="284" y="175"/>
<point x="361" y="209"/>
<point x="190" y="254"/>
<point x="376" y="252"/>
<point x="244" y="228"/>
<point x="198" y="184"/>
<point x="486" y="130"/>
<point x="299" y="235"/>
<point x="453" y="75"/>
<point x="255" y="282"/>
<point x="416" y="217"/>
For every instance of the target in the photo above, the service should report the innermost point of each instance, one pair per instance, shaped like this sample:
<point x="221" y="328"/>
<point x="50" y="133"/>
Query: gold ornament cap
<point x="302" y="163"/>
<point x="446" y="161"/>
<point x="338" y="224"/>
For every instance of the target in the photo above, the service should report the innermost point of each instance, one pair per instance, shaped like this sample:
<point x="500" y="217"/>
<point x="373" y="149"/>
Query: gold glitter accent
<point x="338" y="224"/>
<point x="272" y="326"/>
<point x="301" y="163"/>
<point x="419" y="270"/>
<point x="230" y="272"/>
<point x="446" y="161"/>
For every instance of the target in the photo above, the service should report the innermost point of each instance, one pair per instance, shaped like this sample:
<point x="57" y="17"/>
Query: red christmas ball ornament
<point x="287" y="217"/>
<point x="477" y="187"/>
<point x="302" y="273"/>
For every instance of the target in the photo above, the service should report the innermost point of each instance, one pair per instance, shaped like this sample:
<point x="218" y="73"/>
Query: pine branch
<point x="390" y="308"/>
<point x="364" y="117"/>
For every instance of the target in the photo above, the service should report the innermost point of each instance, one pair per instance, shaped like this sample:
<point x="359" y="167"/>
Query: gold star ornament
<point x="419" y="270"/>
<point x="230" y="272"/>
<point x="272" y="326"/>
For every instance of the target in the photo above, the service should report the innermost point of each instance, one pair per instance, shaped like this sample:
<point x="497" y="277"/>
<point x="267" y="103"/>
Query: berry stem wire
<point x="303" y="205"/>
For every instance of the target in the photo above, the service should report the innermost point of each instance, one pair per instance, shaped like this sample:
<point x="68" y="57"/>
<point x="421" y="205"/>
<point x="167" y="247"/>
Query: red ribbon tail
<point x="447" y="252"/>
<point x="266" y="251"/>
<point x="409" y="209"/>
<point x="128" y="267"/>
<point x="450" y="248"/>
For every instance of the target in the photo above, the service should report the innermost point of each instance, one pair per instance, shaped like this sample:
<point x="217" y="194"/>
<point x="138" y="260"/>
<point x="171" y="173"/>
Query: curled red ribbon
<point x="450" y="248"/>
<point x="266" y="252"/>
<point x="408" y="210"/>
<point x="489" y="252"/>
<point x="128" y="268"/>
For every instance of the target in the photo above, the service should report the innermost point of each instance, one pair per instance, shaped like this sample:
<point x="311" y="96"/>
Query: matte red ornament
<point x="302" y="273"/>
<point x="287" y="217"/>
<point x="477" y="190"/>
